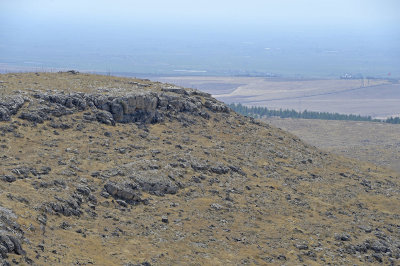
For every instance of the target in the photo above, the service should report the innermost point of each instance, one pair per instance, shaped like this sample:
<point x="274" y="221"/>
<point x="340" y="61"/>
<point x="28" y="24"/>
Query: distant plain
<point x="378" y="98"/>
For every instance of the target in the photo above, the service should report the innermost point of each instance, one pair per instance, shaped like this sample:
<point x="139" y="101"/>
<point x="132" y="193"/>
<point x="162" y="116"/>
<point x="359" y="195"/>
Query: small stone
<point x="105" y="194"/>
<point x="366" y="229"/>
<point x="378" y="257"/>
<point x="42" y="219"/>
<point x="216" y="206"/>
<point x="343" y="237"/>
<point x="84" y="190"/>
<point x="8" y="178"/>
<point x="220" y="169"/>
<point x="196" y="179"/>
<point x="65" y="225"/>
<point x="301" y="246"/>
<point x="122" y="203"/>
<point x="41" y="247"/>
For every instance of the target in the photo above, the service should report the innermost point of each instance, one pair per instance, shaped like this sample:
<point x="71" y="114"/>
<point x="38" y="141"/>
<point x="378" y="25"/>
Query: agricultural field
<point x="369" y="97"/>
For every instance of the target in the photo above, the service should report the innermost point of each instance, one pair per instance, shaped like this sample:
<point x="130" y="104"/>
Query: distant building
<point x="351" y="76"/>
<point x="346" y="76"/>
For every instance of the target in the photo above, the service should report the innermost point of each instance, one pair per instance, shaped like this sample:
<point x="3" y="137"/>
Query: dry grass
<point x="378" y="143"/>
<point x="279" y="202"/>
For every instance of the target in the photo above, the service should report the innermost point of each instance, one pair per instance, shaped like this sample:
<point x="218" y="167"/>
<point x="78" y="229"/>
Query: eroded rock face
<point x="10" y="234"/>
<point x="137" y="106"/>
<point x="126" y="192"/>
<point x="10" y="105"/>
<point x="157" y="185"/>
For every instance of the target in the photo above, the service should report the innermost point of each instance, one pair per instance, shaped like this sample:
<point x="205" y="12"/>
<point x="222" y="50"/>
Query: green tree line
<point x="257" y="112"/>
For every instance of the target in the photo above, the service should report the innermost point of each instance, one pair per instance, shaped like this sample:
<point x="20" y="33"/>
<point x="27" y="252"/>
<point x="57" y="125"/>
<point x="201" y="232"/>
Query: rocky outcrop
<point x="66" y="207"/>
<point x="11" y="235"/>
<point x="138" y="106"/>
<point x="125" y="191"/>
<point x="10" y="105"/>
<point x="156" y="185"/>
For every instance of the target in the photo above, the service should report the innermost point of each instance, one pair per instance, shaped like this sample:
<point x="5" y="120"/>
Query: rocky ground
<point x="116" y="171"/>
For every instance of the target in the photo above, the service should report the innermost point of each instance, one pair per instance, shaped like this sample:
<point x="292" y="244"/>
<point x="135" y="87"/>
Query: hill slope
<point x="378" y="143"/>
<point x="106" y="170"/>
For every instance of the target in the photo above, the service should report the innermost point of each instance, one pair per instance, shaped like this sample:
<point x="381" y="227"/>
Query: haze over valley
<point x="247" y="40"/>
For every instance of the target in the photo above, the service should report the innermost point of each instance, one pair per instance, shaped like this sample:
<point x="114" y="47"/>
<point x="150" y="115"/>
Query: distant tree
<point x="258" y="112"/>
<point x="393" y="120"/>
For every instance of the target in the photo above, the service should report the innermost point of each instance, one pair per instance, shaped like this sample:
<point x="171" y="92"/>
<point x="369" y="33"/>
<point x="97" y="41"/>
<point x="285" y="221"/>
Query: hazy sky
<point x="284" y="36"/>
<point x="365" y="13"/>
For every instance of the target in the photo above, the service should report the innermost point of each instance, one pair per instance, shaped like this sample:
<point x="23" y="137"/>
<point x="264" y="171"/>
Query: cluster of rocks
<point x="375" y="249"/>
<point x="23" y="172"/>
<point x="73" y="205"/>
<point x="11" y="235"/>
<point x="10" y="105"/>
<point x="156" y="185"/>
<point x="68" y="207"/>
<point x="138" y="106"/>
<point x="130" y="192"/>
<point x="216" y="169"/>
<point x="129" y="180"/>
<point x="122" y="192"/>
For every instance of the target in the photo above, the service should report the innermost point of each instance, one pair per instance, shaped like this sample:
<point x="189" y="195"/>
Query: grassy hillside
<point x="378" y="143"/>
<point x="195" y="184"/>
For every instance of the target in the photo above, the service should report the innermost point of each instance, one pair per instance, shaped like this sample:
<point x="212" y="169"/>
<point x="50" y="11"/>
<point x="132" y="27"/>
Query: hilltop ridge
<point x="118" y="171"/>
